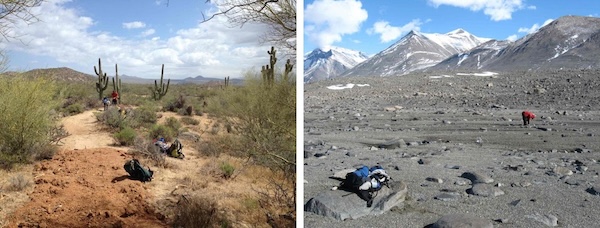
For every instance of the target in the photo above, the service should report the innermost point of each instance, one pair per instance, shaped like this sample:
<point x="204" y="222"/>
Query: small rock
<point x="562" y="171"/>
<point x="451" y="196"/>
<point x="424" y="161"/>
<point x="515" y="203"/>
<point x="452" y="166"/>
<point x="461" y="182"/>
<point x="355" y="128"/>
<point x="461" y="221"/>
<point x="485" y="190"/>
<point x="389" y="109"/>
<point x="434" y="179"/>
<point x="547" y="219"/>
<point x="374" y="148"/>
<point x="350" y="154"/>
<point x="594" y="190"/>
<point x="477" y="177"/>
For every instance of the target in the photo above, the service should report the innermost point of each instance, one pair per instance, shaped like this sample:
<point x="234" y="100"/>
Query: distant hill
<point x="70" y="75"/>
<point x="55" y="74"/>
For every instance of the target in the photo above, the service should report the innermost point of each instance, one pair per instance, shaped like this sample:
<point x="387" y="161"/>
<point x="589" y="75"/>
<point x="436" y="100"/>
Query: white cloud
<point x="212" y="49"/>
<point x="134" y="25"/>
<point x="328" y="20"/>
<point x="148" y="32"/>
<point x="512" y="37"/>
<point x="389" y="33"/>
<point x="497" y="9"/>
<point x="535" y="27"/>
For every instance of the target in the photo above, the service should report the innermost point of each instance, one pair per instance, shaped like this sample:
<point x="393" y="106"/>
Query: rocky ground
<point x="463" y="149"/>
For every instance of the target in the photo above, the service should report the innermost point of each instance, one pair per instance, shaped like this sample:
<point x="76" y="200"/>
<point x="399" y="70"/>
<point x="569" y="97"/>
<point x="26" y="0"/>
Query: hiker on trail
<point x="527" y="116"/>
<point x="105" y="102"/>
<point x="366" y="181"/>
<point x="115" y="97"/>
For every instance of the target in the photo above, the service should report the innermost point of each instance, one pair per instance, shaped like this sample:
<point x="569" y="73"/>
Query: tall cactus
<point x="160" y="90"/>
<point x="268" y="71"/>
<point x="288" y="69"/>
<point x="102" y="80"/>
<point x="116" y="81"/>
<point x="226" y="82"/>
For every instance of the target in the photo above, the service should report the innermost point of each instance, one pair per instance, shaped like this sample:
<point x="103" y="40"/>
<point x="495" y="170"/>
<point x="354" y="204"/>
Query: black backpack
<point x="137" y="171"/>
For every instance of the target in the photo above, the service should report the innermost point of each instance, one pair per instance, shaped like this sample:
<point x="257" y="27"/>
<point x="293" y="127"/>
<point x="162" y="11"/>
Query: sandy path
<point x="85" y="133"/>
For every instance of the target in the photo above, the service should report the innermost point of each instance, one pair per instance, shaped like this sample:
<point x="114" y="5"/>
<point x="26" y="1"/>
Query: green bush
<point x="189" y="120"/>
<point x="146" y="114"/>
<point x="126" y="137"/>
<point x="74" y="109"/>
<point x="25" y="107"/>
<point x="173" y="123"/>
<point x="159" y="130"/>
<point x="227" y="170"/>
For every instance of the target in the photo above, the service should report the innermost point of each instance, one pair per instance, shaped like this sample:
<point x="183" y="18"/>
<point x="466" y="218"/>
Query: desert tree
<point x="278" y="15"/>
<point x="12" y="12"/>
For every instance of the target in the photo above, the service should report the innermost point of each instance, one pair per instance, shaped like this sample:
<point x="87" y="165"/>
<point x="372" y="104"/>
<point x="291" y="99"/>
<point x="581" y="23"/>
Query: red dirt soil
<point x="86" y="188"/>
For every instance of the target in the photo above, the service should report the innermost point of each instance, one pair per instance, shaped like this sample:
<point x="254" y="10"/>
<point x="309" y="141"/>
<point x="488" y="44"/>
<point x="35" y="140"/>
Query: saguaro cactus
<point x="160" y="90"/>
<point x="268" y="71"/>
<point x="226" y="82"/>
<point x="116" y="81"/>
<point x="288" y="69"/>
<point x="102" y="80"/>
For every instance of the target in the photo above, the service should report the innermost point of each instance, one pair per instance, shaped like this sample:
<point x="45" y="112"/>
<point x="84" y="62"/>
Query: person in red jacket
<point x="527" y="116"/>
<point x="115" y="97"/>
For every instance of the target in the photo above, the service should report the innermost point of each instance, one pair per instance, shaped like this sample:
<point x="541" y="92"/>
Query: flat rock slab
<point x="461" y="221"/>
<point x="344" y="205"/>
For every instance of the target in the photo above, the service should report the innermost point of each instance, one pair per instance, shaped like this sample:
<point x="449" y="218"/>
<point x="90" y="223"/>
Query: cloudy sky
<point x="373" y="25"/>
<point x="139" y="36"/>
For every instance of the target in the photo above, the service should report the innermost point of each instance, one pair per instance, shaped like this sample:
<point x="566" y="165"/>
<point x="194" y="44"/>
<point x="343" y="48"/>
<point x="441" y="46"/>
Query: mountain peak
<point x="459" y="31"/>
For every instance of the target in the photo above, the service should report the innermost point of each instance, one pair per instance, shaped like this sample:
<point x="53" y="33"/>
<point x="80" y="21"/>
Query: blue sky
<point x="139" y="36"/>
<point x="373" y="25"/>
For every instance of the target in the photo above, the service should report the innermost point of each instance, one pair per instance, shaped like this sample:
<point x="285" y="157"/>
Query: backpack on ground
<point x="137" y="172"/>
<point x="176" y="149"/>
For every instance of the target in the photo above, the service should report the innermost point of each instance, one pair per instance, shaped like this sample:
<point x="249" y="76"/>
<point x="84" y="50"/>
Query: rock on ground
<point x="344" y="205"/>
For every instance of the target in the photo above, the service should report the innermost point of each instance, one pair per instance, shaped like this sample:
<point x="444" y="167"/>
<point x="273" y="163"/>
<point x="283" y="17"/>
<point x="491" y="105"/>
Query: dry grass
<point x="17" y="182"/>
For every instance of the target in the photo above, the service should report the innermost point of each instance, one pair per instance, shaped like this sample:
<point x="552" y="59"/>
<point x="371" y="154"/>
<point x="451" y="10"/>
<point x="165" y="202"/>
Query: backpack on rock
<point x="365" y="181"/>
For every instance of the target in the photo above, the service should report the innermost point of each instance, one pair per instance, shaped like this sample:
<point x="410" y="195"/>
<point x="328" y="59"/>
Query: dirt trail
<point x="85" y="184"/>
<point x="85" y="133"/>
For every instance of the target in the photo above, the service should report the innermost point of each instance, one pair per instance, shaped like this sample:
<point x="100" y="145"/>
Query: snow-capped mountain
<point x="319" y="64"/>
<point x="567" y="42"/>
<point x="416" y="51"/>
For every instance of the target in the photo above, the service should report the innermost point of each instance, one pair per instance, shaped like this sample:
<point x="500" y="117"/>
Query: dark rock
<point x="477" y="177"/>
<point x="424" y="161"/>
<point x="485" y="190"/>
<point x="343" y="205"/>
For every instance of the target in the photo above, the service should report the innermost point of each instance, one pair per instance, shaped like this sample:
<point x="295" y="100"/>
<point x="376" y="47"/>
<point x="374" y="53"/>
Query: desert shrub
<point x="17" y="182"/>
<point x="126" y="136"/>
<point x="111" y="117"/>
<point x="146" y="114"/>
<point x="173" y="123"/>
<point x="159" y="130"/>
<point x="198" y="211"/>
<point x="25" y="114"/>
<point x="176" y="104"/>
<point x="146" y="149"/>
<point x="227" y="169"/>
<point x="45" y="152"/>
<point x="189" y="120"/>
<point x="74" y="109"/>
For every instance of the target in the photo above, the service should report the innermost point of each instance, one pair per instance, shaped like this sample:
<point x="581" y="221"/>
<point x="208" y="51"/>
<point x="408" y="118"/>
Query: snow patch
<point x="347" y="86"/>
<point x="441" y="76"/>
<point x="482" y="74"/>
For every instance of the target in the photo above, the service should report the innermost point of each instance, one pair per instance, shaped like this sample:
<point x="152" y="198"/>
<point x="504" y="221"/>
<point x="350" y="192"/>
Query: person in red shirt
<point x="115" y="97"/>
<point x="527" y="116"/>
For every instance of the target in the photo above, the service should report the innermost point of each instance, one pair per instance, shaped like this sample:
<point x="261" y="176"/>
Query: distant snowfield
<point x="482" y="74"/>
<point x="347" y="86"/>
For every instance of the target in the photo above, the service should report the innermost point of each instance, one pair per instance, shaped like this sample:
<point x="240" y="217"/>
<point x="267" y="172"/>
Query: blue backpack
<point x="361" y="175"/>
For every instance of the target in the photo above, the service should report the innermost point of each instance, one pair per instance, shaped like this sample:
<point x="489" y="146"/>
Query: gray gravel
<point x="436" y="130"/>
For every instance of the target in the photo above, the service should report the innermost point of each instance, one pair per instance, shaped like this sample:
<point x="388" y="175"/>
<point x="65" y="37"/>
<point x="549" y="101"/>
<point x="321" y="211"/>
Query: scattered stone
<point x="390" y="144"/>
<point x="452" y="166"/>
<point x="515" y="203"/>
<point x="546" y="219"/>
<point x="434" y="179"/>
<point x="571" y="181"/>
<point x="544" y="129"/>
<point x="448" y="196"/>
<point x="461" y="221"/>
<point x="461" y="182"/>
<point x="413" y="143"/>
<point x="485" y="190"/>
<point x="424" y="161"/>
<point x="374" y="148"/>
<point x="562" y="171"/>
<point x="582" y="168"/>
<point x="355" y="128"/>
<point x="582" y="150"/>
<point x="477" y="177"/>
<point x="320" y="154"/>
<point x="344" y="205"/>
<point x="539" y="90"/>
<point x="594" y="190"/>
<point x="389" y="109"/>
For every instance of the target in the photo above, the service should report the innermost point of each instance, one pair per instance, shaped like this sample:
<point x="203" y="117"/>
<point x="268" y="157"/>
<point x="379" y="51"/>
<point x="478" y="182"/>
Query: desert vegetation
<point x="250" y="132"/>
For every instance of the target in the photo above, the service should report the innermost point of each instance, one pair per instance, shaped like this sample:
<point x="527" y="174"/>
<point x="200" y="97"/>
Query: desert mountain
<point x="319" y="64"/>
<point x="416" y="51"/>
<point x="568" y="42"/>
<point x="55" y="74"/>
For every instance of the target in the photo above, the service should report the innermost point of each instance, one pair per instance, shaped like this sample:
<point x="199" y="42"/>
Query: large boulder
<point x="343" y="205"/>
